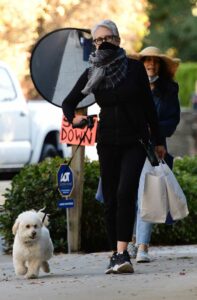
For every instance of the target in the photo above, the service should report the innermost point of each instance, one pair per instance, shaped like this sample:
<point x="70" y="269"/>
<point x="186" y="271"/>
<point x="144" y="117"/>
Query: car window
<point x="7" y="90"/>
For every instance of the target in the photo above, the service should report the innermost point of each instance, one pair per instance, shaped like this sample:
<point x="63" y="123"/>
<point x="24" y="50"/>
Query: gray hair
<point x="108" y="24"/>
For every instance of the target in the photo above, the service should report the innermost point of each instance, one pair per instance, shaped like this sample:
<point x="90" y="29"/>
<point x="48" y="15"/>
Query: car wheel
<point x="49" y="151"/>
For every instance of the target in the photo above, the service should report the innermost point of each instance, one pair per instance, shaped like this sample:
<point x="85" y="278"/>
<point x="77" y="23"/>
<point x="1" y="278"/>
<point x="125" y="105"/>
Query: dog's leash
<point x="44" y="218"/>
<point x="89" y="122"/>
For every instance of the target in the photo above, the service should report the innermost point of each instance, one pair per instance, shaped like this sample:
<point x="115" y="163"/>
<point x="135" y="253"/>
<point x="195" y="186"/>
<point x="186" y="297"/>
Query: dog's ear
<point x="15" y="227"/>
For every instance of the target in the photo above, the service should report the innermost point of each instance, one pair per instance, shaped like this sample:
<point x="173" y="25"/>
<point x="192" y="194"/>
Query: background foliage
<point x="36" y="187"/>
<point x="23" y="23"/>
<point x="169" y="25"/>
<point x="173" y="27"/>
<point x="186" y="76"/>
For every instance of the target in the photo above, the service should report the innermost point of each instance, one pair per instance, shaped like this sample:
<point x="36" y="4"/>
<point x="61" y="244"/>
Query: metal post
<point x="68" y="230"/>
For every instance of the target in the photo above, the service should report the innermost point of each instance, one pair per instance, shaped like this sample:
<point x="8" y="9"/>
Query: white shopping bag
<point x="176" y="198"/>
<point x="159" y="192"/>
<point x="152" y="193"/>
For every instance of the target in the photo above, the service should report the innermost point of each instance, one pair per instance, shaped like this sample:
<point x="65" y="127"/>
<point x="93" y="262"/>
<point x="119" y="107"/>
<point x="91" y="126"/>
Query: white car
<point x="29" y="130"/>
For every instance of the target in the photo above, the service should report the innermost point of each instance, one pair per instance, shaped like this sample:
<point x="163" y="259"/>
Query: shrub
<point x="186" y="77"/>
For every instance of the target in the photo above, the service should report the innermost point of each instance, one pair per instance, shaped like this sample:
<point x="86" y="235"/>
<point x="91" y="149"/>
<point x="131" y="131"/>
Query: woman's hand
<point x="160" y="151"/>
<point x="78" y="118"/>
<point x="79" y="121"/>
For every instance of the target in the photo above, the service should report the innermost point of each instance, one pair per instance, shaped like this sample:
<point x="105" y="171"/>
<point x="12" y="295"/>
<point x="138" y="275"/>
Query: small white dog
<point x="32" y="244"/>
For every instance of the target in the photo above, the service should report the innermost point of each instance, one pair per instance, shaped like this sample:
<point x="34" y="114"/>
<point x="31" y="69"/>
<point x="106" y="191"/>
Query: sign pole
<point x="68" y="230"/>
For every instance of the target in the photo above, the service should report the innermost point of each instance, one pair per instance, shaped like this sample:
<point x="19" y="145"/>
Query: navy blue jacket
<point x="165" y="96"/>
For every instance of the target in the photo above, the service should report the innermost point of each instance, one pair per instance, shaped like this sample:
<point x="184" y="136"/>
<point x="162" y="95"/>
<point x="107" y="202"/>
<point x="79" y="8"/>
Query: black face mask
<point x="108" y="46"/>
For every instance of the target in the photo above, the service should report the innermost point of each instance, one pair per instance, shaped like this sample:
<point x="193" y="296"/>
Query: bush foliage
<point x="186" y="78"/>
<point x="36" y="187"/>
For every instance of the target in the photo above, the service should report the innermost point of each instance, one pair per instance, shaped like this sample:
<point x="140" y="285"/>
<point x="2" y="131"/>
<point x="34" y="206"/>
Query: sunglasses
<point x="107" y="38"/>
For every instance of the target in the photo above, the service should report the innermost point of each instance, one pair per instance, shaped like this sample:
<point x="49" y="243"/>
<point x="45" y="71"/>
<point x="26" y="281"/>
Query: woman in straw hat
<point x="160" y="69"/>
<point x="122" y="91"/>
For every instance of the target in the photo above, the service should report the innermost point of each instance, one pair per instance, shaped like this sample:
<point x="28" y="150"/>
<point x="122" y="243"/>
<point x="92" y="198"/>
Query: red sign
<point x="69" y="135"/>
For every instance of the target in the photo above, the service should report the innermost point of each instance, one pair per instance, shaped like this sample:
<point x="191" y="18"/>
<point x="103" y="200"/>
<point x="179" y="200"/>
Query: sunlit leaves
<point x="24" y="22"/>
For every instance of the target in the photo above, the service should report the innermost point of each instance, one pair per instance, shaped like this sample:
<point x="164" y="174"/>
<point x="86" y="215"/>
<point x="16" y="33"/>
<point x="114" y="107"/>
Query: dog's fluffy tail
<point x="43" y="216"/>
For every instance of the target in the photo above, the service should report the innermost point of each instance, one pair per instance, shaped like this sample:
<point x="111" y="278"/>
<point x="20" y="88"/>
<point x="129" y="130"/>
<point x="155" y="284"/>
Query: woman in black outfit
<point x="122" y="91"/>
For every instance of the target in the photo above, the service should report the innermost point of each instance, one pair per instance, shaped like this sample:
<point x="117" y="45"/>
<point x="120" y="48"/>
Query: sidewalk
<point x="171" y="275"/>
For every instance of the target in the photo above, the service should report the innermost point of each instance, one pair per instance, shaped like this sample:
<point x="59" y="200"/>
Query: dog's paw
<point x="45" y="267"/>
<point x="21" y="270"/>
<point x="31" y="276"/>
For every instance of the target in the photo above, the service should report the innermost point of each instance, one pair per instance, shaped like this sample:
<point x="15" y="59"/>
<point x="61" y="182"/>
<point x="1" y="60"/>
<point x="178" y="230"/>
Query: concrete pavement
<point x="172" y="275"/>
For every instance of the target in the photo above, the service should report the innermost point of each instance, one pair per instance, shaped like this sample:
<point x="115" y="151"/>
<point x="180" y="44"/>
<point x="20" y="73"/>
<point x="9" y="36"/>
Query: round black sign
<point x="58" y="60"/>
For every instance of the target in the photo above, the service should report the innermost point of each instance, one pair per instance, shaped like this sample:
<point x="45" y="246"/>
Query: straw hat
<point x="171" y="63"/>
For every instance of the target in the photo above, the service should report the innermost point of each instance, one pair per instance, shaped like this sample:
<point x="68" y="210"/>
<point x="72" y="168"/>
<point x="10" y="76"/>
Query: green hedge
<point x="186" y="77"/>
<point x="36" y="187"/>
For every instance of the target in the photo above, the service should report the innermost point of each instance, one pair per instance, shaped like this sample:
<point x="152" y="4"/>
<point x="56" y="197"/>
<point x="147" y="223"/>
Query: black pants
<point x="120" y="168"/>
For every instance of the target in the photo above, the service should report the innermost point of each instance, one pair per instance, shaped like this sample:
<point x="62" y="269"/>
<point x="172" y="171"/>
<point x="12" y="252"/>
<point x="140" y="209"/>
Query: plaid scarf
<point x="108" y="68"/>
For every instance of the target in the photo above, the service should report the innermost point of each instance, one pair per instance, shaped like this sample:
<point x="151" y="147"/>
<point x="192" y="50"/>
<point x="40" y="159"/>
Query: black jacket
<point x="127" y="111"/>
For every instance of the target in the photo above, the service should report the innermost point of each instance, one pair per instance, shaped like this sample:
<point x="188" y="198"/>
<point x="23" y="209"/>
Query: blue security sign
<point x="65" y="180"/>
<point x="66" y="203"/>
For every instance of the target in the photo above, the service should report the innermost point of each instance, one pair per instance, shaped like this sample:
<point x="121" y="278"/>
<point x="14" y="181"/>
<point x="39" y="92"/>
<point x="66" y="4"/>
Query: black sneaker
<point x="111" y="264"/>
<point x="123" y="263"/>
